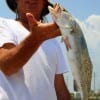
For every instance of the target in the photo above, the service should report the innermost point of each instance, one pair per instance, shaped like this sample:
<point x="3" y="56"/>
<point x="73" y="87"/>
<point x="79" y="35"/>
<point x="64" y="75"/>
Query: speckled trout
<point x="78" y="56"/>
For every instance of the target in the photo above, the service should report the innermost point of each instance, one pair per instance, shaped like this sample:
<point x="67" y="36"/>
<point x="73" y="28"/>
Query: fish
<point x="76" y="46"/>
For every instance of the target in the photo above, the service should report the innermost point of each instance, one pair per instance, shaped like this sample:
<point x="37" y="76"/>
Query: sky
<point x="87" y="12"/>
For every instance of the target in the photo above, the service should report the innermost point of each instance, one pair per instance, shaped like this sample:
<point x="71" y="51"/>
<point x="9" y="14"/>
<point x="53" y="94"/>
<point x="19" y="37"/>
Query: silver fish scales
<point x="78" y="56"/>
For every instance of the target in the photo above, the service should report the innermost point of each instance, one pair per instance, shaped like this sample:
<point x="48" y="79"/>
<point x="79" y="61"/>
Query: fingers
<point x="31" y="20"/>
<point x="56" y="7"/>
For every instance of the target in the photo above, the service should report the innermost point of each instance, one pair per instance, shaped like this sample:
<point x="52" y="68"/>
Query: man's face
<point x="33" y="6"/>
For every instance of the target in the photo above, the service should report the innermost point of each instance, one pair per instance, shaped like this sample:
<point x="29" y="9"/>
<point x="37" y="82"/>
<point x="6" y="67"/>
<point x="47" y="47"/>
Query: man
<point x="29" y="75"/>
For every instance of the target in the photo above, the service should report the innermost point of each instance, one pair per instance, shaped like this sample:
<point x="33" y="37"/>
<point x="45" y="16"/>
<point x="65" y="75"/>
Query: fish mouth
<point x="52" y="11"/>
<point x="55" y="9"/>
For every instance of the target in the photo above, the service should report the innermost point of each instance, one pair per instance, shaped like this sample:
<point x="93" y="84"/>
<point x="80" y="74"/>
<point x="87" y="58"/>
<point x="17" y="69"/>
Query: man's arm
<point x="12" y="58"/>
<point x="61" y="89"/>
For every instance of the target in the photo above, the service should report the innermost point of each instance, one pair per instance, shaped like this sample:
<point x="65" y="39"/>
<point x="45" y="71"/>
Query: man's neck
<point x="23" y="22"/>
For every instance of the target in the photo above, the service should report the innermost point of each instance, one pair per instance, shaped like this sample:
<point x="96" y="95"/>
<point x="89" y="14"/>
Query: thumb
<point x="31" y="20"/>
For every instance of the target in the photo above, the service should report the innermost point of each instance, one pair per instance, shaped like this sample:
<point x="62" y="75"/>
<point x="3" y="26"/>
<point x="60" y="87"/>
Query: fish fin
<point x="67" y="43"/>
<point x="62" y="40"/>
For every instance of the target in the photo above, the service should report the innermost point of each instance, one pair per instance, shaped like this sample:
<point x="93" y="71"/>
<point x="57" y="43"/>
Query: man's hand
<point x="43" y="31"/>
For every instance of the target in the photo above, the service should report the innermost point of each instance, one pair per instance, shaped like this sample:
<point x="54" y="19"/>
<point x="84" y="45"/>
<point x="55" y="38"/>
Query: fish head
<point x="60" y="15"/>
<point x="55" y="11"/>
